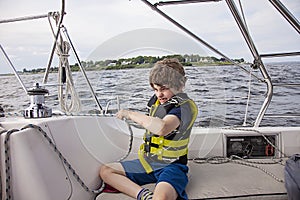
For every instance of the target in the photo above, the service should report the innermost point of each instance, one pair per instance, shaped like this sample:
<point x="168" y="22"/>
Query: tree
<point x="139" y="60"/>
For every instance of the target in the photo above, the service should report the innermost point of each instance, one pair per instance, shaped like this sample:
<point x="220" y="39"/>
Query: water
<point x="221" y="93"/>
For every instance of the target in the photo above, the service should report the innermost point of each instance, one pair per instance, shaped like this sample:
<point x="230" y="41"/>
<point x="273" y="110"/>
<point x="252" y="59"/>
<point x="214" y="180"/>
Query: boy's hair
<point x="168" y="72"/>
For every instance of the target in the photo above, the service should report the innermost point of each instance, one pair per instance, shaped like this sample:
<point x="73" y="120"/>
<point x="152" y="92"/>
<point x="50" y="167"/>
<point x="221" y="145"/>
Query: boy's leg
<point x="164" y="190"/>
<point x="172" y="182"/>
<point x="114" y="175"/>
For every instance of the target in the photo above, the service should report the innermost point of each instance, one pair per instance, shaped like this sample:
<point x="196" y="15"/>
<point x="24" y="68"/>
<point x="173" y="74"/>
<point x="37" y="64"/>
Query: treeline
<point x="140" y="62"/>
<point x="125" y="63"/>
<point x="148" y="61"/>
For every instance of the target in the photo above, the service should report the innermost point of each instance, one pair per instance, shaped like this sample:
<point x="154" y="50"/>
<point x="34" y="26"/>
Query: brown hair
<point x="168" y="72"/>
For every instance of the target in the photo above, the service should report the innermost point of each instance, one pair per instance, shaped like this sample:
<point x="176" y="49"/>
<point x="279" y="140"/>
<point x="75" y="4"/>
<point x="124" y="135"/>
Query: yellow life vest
<point x="170" y="148"/>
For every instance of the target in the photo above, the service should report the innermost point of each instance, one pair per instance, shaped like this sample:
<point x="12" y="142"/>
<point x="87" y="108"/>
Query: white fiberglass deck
<point x="88" y="142"/>
<point x="227" y="180"/>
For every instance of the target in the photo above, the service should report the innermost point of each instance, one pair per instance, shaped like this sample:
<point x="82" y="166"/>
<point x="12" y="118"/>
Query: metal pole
<point x="163" y="3"/>
<point x="257" y="60"/>
<point x="81" y="68"/>
<point x="280" y="54"/>
<point x="23" y="18"/>
<point x="286" y="14"/>
<point x="62" y="13"/>
<point x="14" y="69"/>
<point x="154" y="7"/>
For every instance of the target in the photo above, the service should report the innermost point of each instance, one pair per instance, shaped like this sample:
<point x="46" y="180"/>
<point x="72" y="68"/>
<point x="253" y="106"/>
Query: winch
<point x="37" y="108"/>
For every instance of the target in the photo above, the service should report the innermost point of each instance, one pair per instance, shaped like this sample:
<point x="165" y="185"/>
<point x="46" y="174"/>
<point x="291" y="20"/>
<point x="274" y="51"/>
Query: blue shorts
<point x="174" y="174"/>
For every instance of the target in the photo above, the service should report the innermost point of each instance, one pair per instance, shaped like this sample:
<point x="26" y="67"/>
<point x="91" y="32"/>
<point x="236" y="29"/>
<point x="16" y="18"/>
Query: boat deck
<point x="229" y="181"/>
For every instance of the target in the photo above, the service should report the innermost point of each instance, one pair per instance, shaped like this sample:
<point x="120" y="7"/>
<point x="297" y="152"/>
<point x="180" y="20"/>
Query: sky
<point x="112" y="29"/>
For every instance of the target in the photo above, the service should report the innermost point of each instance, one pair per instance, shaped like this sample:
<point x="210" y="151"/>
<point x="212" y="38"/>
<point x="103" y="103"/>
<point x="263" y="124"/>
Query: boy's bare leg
<point x="114" y="175"/>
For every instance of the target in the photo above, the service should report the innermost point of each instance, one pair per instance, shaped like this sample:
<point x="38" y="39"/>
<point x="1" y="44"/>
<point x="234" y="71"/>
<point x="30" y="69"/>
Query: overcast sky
<point x="110" y="29"/>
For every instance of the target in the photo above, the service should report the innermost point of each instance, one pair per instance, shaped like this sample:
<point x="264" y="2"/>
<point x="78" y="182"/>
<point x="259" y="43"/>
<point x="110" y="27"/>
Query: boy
<point x="163" y="155"/>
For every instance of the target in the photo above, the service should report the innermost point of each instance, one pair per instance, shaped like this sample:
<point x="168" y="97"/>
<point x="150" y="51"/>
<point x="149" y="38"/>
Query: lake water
<point x="221" y="93"/>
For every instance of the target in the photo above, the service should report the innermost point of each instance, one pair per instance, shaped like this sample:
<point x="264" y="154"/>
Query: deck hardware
<point x="37" y="108"/>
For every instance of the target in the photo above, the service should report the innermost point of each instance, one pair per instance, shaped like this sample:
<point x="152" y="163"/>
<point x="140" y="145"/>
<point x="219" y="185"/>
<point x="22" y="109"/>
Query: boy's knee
<point x="111" y="168"/>
<point x="104" y="171"/>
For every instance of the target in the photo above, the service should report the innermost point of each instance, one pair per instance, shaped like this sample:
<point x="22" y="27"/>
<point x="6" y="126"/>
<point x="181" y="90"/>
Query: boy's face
<point x="162" y="93"/>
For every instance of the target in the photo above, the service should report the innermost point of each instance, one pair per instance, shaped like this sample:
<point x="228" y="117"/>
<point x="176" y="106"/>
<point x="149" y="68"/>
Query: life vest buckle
<point x="147" y="148"/>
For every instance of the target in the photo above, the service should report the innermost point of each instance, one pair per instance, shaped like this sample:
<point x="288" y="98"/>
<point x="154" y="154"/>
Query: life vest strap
<point x="160" y="153"/>
<point x="161" y="141"/>
<point x="145" y="164"/>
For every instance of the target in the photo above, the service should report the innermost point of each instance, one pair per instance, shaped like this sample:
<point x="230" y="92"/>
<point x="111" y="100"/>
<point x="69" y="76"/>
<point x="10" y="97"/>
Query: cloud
<point x="91" y="23"/>
<point x="133" y="43"/>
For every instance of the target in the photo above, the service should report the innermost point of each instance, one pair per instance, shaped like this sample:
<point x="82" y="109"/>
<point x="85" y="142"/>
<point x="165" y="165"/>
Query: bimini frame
<point x="247" y="37"/>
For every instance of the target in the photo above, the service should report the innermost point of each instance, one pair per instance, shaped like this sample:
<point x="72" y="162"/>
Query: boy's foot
<point x="145" y="194"/>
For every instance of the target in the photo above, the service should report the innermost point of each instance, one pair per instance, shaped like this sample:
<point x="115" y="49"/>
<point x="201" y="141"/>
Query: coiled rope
<point x="69" y="102"/>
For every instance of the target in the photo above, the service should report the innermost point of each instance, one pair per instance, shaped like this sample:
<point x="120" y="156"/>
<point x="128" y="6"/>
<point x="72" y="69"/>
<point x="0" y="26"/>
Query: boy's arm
<point x="155" y="125"/>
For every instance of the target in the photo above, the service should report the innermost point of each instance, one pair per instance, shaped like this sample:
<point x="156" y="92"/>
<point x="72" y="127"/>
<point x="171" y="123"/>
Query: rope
<point x="73" y="105"/>
<point x="241" y="161"/>
<point x="130" y="142"/>
<point x="69" y="166"/>
<point x="248" y="98"/>
<point x="251" y="69"/>
<point x="8" y="164"/>
<point x="2" y="130"/>
<point x="69" y="101"/>
<point x="55" y="149"/>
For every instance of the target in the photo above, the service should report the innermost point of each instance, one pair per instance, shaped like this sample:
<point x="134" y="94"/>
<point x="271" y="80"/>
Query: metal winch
<point x="37" y="108"/>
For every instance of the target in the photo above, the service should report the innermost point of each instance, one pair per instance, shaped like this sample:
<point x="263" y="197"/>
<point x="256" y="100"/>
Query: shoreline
<point x="75" y="67"/>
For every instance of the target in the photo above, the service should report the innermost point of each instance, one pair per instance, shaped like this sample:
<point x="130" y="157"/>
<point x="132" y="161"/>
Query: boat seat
<point x="229" y="181"/>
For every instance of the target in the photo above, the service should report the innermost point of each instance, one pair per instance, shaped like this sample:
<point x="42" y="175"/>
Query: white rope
<point x="248" y="98"/>
<point x="69" y="101"/>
